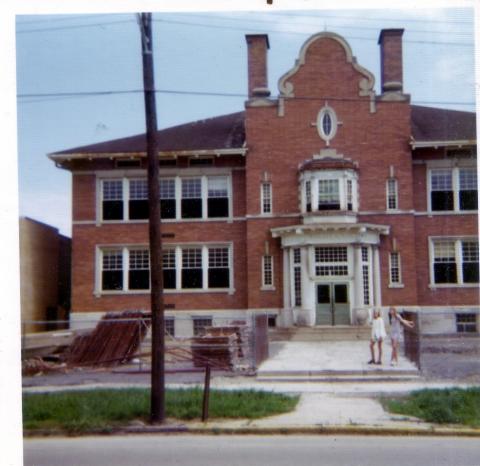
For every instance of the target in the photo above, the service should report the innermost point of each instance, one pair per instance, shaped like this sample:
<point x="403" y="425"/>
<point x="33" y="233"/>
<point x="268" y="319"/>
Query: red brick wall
<point x="83" y="197"/>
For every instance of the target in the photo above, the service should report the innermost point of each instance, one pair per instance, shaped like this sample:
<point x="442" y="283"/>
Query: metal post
<point x="157" y="407"/>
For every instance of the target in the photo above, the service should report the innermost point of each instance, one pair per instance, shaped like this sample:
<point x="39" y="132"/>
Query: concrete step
<point x="320" y="333"/>
<point x="389" y="374"/>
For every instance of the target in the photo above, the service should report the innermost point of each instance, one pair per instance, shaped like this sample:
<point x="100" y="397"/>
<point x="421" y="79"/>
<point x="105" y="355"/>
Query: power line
<point x="73" y="17"/>
<point x="74" y="26"/>
<point x="232" y="28"/>
<point x="54" y="95"/>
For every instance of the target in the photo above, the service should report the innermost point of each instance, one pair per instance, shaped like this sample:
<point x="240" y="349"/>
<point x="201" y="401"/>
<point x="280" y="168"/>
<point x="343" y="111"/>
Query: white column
<point x="376" y="277"/>
<point x="358" y="280"/>
<point x="286" y="317"/>
<point x="308" y="289"/>
<point x="314" y="188"/>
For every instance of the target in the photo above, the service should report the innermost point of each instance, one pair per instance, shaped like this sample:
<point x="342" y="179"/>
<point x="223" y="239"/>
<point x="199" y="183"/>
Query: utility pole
<point x="157" y="394"/>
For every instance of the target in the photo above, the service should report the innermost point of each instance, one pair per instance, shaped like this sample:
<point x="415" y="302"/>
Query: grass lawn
<point x="446" y="406"/>
<point x="102" y="409"/>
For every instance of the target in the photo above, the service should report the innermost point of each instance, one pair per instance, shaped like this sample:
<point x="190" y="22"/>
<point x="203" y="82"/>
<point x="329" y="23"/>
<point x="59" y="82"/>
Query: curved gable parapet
<point x="365" y="84"/>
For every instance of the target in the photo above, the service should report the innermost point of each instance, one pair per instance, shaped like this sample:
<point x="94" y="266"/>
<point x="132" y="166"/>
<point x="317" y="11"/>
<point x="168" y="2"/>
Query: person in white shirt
<point x="378" y="335"/>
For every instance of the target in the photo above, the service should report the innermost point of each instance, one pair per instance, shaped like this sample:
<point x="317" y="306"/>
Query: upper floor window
<point x="327" y="124"/>
<point x="329" y="190"/>
<point x="267" y="271"/>
<point x="453" y="189"/>
<point x="455" y="261"/>
<point x="392" y="194"/>
<point x="193" y="197"/>
<point x="266" y="198"/>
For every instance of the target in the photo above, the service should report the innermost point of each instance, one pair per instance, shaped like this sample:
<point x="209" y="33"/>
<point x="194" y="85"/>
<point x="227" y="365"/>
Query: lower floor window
<point x="466" y="323"/>
<point x="455" y="261"/>
<point x="170" y="326"/>
<point x="199" y="267"/>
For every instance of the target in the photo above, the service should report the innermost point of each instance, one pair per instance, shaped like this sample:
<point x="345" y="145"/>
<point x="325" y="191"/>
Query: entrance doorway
<point x="333" y="307"/>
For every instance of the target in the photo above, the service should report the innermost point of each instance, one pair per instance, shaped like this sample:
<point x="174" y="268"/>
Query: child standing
<point x="378" y="335"/>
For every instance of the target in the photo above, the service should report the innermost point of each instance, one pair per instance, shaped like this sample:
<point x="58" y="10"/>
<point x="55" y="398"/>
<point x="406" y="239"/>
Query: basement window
<point x="199" y="324"/>
<point x="466" y="323"/>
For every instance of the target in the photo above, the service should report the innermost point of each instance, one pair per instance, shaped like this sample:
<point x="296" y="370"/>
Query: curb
<point x="294" y="430"/>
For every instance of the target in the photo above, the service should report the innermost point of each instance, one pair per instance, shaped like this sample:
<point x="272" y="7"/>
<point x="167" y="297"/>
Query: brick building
<point x="314" y="206"/>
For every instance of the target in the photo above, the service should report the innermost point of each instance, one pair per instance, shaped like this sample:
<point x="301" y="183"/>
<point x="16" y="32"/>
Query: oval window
<point x="327" y="123"/>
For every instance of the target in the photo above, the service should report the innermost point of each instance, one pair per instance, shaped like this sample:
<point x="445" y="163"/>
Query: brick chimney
<point x="391" y="67"/>
<point x="257" y="65"/>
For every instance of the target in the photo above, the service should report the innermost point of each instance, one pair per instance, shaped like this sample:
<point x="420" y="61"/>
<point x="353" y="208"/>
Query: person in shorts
<point x="378" y="335"/>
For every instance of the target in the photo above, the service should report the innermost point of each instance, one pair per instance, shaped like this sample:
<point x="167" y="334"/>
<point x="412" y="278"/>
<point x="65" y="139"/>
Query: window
<point x="266" y="198"/>
<point x="112" y="199"/>
<point x="349" y="195"/>
<point x="112" y="270"/>
<point x="395" y="271"/>
<point x="466" y="323"/>
<point x="138" y="202"/>
<point x="468" y="189"/>
<point x="297" y="277"/>
<point x="167" y="198"/>
<point x="199" y="267"/>
<point x="191" y="198"/>
<point x="328" y="195"/>
<point x="192" y="272"/>
<point x="331" y="261"/>
<point x="169" y="269"/>
<point x="453" y="189"/>
<point x="218" y="268"/>
<point x="392" y="194"/>
<point x="267" y="271"/>
<point x="202" y="161"/>
<point x="366" y="275"/>
<point x="139" y="270"/>
<point x="327" y="124"/>
<point x="170" y="326"/>
<point x="308" y="195"/>
<point x="199" y="324"/>
<point x="455" y="261"/>
<point x="217" y="196"/>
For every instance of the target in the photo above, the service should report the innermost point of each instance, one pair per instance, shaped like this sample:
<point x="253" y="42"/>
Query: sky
<point x="52" y="48"/>
<point x="195" y="52"/>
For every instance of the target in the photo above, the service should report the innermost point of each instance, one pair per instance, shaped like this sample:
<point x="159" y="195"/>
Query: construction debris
<point x="37" y="366"/>
<point x="223" y="346"/>
<point x="115" y="340"/>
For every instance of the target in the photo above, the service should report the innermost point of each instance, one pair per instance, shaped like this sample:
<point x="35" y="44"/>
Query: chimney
<point x="257" y="65"/>
<point x="391" y="67"/>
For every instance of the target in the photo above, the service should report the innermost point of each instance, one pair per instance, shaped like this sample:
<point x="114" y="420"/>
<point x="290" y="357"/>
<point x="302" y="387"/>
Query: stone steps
<point x="320" y="333"/>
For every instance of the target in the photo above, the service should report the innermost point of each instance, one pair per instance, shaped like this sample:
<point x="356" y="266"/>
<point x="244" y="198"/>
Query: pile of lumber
<point x="223" y="347"/>
<point x="115" y="340"/>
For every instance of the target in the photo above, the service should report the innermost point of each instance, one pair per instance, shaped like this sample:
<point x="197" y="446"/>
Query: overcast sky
<point x="197" y="52"/>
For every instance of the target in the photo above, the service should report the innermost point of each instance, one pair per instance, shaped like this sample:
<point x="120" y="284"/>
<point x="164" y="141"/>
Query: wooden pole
<point x="206" y="394"/>
<point x="157" y="398"/>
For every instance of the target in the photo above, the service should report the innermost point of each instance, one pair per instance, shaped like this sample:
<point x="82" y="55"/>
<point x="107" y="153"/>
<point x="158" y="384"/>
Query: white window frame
<point x="398" y="267"/>
<point x="187" y="174"/>
<point x="347" y="187"/>
<point x="455" y="177"/>
<point x="267" y="272"/>
<point x="266" y="198"/>
<point x="322" y="114"/>
<point x="178" y="268"/>
<point x="392" y="194"/>
<point x="457" y="241"/>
